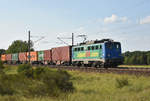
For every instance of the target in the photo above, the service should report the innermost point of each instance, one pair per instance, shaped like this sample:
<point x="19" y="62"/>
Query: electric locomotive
<point x="98" y="53"/>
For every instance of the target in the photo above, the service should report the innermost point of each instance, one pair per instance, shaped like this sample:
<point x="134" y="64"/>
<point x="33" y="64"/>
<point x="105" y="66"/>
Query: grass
<point x="10" y="69"/>
<point x="103" y="87"/>
<point x="137" y="66"/>
<point x="97" y="87"/>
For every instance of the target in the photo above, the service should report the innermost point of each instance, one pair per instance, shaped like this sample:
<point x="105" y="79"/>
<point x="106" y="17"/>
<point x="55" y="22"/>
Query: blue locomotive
<point x="98" y="53"/>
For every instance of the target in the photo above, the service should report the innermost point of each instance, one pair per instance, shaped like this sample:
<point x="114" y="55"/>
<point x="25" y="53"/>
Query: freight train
<point x="97" y="53"/>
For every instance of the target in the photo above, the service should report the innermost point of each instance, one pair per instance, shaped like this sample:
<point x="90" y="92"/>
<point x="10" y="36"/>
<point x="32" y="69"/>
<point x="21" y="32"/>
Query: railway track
<point x="117" y="70"/>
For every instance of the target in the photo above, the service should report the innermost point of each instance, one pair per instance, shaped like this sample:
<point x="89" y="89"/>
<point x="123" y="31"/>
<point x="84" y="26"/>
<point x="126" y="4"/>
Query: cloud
<point x="145" y="20"/>
<point x="114" y="18"/>
<point x="80" y="29"/>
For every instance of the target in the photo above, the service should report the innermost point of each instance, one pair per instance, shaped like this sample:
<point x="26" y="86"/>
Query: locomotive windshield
<point x="112" y="45"/>
<point x="117" y="45"/>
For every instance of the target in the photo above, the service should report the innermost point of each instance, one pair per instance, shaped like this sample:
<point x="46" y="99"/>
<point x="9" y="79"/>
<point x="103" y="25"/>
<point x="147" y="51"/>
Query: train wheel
<point x="86" y="65"/>
<point x="83" y="65"/>
<point x="95" y="65"/>
<point x="113" y="65"/>
<point x="79" y="64"/>
<point x="103" y="65"/>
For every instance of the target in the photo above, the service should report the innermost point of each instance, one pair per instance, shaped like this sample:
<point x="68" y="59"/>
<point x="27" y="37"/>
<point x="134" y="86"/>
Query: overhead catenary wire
<point x="62" y="41"/>
<point x="39" y="39"/>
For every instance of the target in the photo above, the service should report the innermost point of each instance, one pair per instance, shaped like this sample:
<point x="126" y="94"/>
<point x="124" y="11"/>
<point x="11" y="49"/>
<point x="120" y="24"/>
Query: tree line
<point x="137" y="58"/>
<point x="16" y="47"/>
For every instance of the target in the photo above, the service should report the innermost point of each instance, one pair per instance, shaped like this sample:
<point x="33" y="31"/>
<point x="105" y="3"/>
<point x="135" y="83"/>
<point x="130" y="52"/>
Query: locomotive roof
<point x="96" y="41"/>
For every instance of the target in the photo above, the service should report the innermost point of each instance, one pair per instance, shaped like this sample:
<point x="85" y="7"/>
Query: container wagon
<point x="3" y="58"/>
<point x="8" y="59"/>
<point x="23" y="57"/>
<point x="48" y="57"/>
<point x="15" y="58"/>
<point x="33" y="57"/>
<point x="61" y="55"/>
<point x="41" y="57"/>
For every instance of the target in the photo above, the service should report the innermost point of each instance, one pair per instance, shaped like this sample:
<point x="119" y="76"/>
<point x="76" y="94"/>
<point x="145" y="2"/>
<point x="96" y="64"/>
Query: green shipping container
<point x="15" y="57"/>
<point x="40" y="55"/>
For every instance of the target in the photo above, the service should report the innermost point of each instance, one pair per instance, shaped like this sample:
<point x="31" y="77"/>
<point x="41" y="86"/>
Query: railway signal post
<point x="72" y="39"/>
<point x="29" y="46"/>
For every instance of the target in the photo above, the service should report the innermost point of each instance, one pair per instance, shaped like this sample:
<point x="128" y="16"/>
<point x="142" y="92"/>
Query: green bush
<point x="12" y="84"/>
<point x="26" y="69"/>
<point x="38" y="71"/>
<point x="121" y="82"/>
<point x="5" y="85"/>
<point x="60" y="80"/>
<point x="1" y="65"/>
<point x="63" y="81"/>
<point x="56" y="82"/>
<point x="44" y="82"/>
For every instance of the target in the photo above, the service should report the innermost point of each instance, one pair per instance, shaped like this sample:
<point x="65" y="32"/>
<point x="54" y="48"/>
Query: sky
<point x="126" y="21"/>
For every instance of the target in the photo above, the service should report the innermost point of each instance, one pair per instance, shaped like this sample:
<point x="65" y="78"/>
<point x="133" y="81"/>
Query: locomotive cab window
<point x="82" y="48"/>
<point x="100" y="46"/>
<point x="117" y="45"/>
<point x="96" y="47"/>
<point x="78" y="49"/>
<point x="92" y="47"/>
<point x="75" y="49"/>
<point x="109" y="45"/>
<point x="88" y="47"/>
